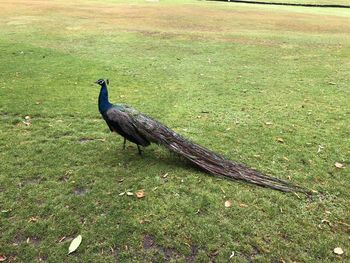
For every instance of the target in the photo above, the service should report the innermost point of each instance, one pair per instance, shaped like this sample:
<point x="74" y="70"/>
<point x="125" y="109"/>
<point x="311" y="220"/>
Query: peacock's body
<point x="143" y="130"/>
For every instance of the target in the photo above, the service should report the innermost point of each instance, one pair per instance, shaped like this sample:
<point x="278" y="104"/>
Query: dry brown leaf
<point x="339" y="165"/>
<point x="27" y="123"/>
<point x="325" y="221"/>
<point x="228" y="203"/>
<point x="338" y="251"/>
<point x="2" y="258"/>
<point x="242" y="205"/>
<point x="280" y="140"/>
<point x="140" y="194"/>
<point x="32" y="219"/>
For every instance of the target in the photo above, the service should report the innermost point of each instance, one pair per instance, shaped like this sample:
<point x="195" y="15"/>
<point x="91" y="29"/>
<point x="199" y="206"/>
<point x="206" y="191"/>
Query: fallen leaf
<point x="339" y="165"/>
<point x="242" y="205"/>
<point x="32" y="219"/>
<point x="140" y="194"/>
<point x="228" y="203"/>
<point x="74" y="244"/>
<point x="61" y="239"/>
<point x="338" y="251"/>
<point x="2" y="258"/>
<point x="268" y="123"/>
<point x="280" y="140"/>
<point x="320" y="148"/>
<point x="325" y="221"/>
<point x="297" y="195"/>
<point x="129" y="193"/>
<point x="27" y="123"/>
<point x="123" y="193"/>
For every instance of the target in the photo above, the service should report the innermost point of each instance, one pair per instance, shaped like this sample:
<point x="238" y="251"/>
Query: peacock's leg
<point x="124" y="144"/>
<point x="139" y="149"/>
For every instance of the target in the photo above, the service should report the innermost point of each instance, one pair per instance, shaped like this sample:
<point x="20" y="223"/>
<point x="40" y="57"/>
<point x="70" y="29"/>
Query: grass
<point x="315" y="2"/>
<point x="231" y="77"/>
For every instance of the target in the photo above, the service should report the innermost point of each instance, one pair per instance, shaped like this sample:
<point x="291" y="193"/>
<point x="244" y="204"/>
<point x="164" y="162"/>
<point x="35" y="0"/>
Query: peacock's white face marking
<point x="102" y="81"/>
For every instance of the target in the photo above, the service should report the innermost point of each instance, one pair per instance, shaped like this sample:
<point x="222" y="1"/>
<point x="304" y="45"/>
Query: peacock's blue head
<point x="102" y="81"/>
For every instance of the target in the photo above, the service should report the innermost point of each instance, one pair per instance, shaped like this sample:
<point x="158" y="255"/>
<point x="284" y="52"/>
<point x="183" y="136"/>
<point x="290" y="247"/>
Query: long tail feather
<point x="207" y="160"/>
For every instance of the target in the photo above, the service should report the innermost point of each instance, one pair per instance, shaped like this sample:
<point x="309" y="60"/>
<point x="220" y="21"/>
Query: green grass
<point x="315" y="2"/>
<point x="214" y="72"/>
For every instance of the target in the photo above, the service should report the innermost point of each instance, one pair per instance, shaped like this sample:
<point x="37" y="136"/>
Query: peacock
<point x="142" y="130"/>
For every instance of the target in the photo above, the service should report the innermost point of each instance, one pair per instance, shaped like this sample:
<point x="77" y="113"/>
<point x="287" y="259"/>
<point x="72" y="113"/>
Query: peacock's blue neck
<point x="103" y="103"/>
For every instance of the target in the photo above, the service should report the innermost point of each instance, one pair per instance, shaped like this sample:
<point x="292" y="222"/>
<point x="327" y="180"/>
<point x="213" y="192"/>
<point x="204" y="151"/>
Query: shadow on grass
<point x="151" y="156"/>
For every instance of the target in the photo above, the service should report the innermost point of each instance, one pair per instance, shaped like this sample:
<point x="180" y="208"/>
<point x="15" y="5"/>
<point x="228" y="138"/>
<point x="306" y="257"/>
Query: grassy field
<point x="267" y="86"/>
<point x="314" y="2"/>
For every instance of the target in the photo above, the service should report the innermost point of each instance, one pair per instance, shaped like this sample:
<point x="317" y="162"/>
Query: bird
<point x="142" y="130"/>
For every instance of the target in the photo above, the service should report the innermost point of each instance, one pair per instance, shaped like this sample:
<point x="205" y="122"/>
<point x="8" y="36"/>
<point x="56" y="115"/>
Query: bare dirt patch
<point x="80" y="191"/>
<point x="149" y="243"/>
<point x="168" y="253"/>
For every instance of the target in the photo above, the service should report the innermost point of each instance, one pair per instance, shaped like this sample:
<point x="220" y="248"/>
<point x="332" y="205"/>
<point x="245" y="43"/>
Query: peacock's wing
<point x="121" y="121"/>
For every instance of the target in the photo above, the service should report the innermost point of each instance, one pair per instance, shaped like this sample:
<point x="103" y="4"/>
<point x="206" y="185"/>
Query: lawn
<point x="312" y="2"/>
<point x="264" y="85"/>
